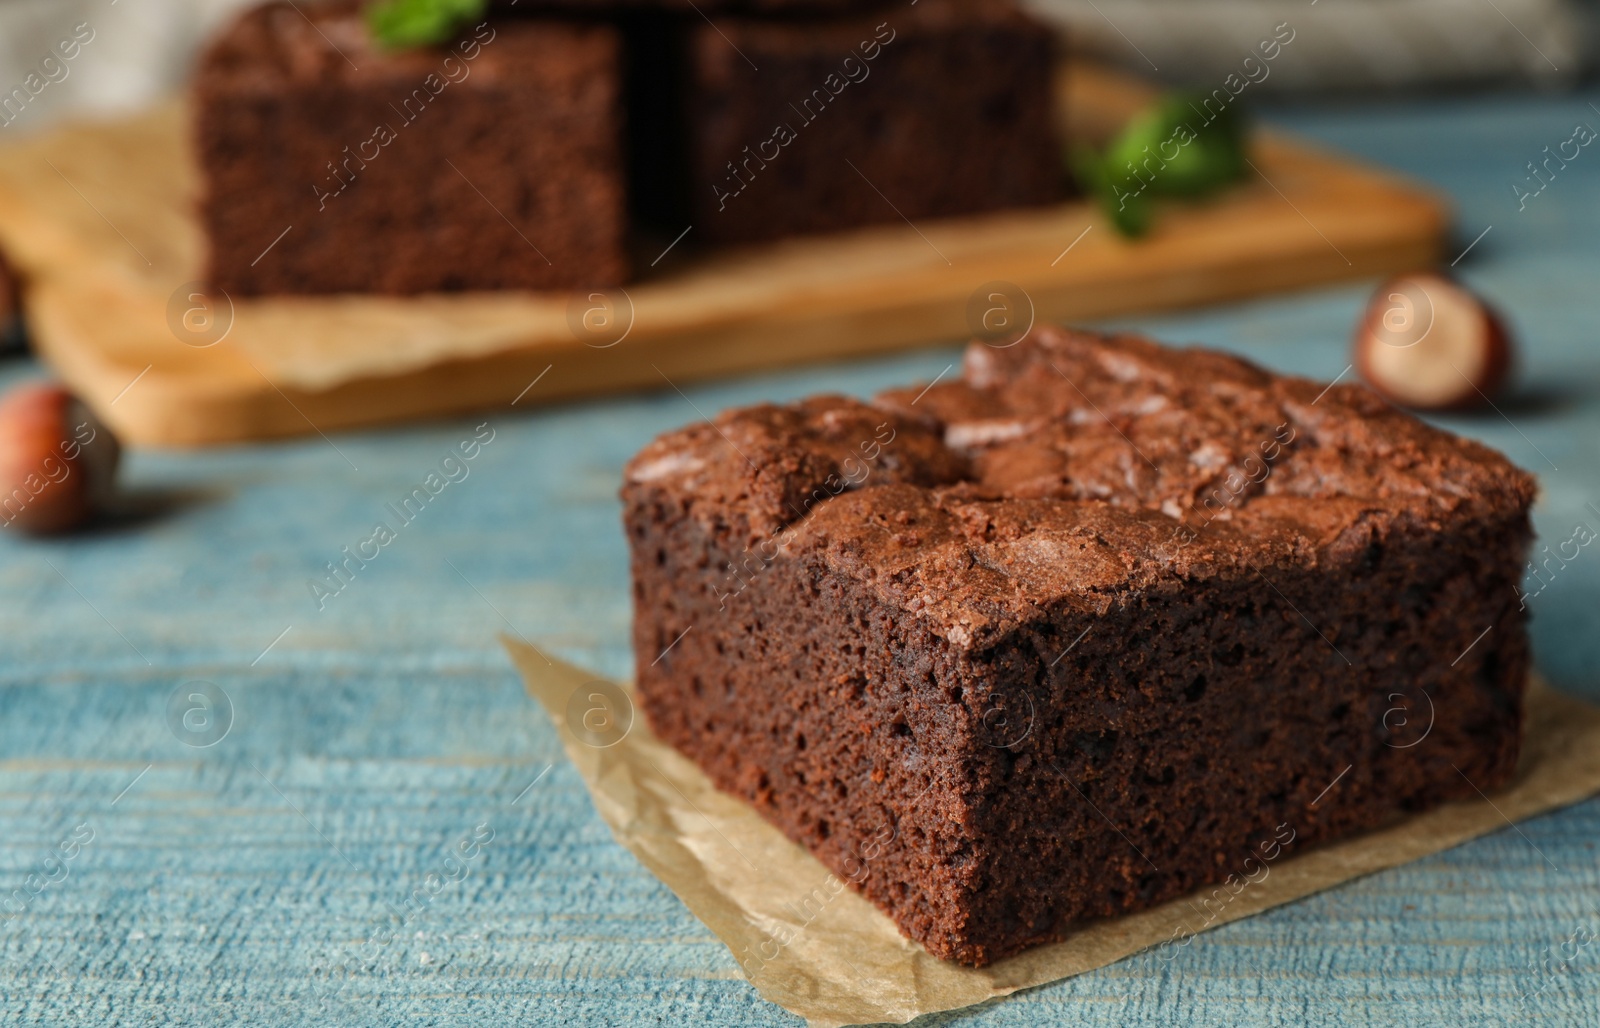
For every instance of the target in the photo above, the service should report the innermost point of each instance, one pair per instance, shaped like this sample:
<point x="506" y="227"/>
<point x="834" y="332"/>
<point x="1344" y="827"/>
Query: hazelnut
<point x="1427" y="343"/>
<point x="57" y="461"/>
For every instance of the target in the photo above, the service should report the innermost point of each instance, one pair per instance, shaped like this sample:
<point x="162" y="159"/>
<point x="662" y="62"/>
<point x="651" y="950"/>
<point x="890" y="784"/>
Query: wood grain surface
<point x="244" y="883"/>
<point x="99" y="219"/>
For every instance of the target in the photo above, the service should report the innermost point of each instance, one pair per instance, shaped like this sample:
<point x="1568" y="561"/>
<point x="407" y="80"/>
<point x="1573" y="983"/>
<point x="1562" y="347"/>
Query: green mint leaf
<point x="1202" y="148"/>
<point x="1185" y="146"/>
<point x="1120" y="199"/>
<point x="403" y="24"/>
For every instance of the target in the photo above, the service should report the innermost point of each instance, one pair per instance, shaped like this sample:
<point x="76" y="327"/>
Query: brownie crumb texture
<point x="1095" y="625"/>
<point x="941" y="109"/>
<point x="331" y="165"/>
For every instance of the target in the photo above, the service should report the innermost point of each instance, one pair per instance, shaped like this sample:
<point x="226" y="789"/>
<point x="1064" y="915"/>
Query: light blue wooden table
<point x="242" y="883"/>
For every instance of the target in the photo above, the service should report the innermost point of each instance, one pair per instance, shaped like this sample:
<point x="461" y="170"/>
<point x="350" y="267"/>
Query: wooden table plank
<point x="389" y="722"/>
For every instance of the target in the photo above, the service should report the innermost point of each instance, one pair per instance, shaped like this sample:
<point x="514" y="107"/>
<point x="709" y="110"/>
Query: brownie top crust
<point x="323" y="44"/>
<point x="1071" y="467"/>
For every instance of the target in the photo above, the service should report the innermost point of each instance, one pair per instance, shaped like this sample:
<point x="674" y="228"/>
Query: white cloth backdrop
<point x="1339" y="44"/>
<point x="140" y="49"/>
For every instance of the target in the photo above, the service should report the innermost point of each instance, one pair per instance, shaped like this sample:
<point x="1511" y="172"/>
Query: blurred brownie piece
<point x="828" y="123"/>
<point x="331" y="165"/>
<point x="1098" y="624"/>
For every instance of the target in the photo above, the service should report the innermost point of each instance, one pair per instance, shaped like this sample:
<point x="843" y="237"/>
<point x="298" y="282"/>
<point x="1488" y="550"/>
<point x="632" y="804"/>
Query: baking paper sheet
<point x="810" y="944"/>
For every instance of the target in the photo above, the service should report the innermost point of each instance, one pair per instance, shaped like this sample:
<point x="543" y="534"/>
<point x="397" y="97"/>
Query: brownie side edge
<point x="1072" y="709"/>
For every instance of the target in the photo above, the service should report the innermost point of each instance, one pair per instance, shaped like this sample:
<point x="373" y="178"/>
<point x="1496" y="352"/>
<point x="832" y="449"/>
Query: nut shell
<point x="1427" y="343"/>
<point x="57" y="462"/>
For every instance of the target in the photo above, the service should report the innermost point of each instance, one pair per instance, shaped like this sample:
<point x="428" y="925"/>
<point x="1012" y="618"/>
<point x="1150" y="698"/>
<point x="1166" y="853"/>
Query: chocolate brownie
<point x="944" y="108"/>
<point x="333" y="165"/>
<point x="1096" y="625"/>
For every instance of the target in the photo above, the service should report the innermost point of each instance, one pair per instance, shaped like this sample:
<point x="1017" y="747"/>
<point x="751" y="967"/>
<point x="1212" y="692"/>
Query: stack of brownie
<point x="1098" y="624"/>
<point x="538" y="149"/>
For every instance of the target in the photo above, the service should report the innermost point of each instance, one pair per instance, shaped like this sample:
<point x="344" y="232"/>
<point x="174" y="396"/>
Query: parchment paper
<point x="826" y="954"/>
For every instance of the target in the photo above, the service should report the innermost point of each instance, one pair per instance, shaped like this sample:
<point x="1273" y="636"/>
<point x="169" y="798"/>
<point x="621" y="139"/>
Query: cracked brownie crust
<point x="1077" y="633"/>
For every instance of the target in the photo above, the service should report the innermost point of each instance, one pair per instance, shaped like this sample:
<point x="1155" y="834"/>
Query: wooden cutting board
<point x="98" y="219"/>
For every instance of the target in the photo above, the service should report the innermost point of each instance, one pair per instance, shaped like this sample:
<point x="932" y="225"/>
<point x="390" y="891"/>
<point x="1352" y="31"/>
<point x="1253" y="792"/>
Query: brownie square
<point x="926" y="111"/>
<point x="332" y="165"/>
<point x="1094" y="626"/>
